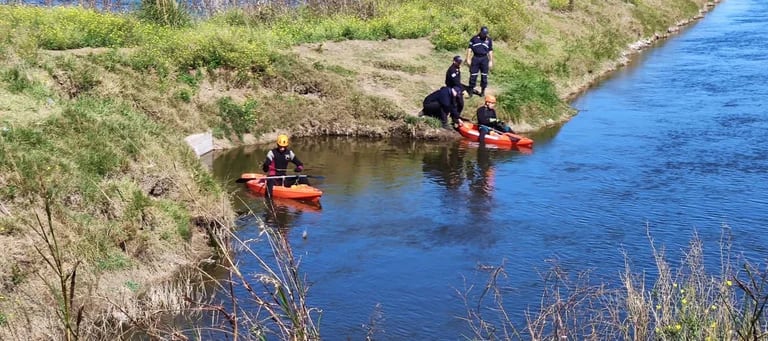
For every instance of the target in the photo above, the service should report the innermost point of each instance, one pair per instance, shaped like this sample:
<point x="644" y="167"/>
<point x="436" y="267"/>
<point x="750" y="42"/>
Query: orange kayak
<point x="470" y="131"/>
<point x="258" y="184"/>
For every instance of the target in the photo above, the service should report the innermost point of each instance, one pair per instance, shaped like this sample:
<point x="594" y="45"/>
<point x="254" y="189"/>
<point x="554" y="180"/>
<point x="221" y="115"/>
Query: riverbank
<point x="95" y="106"/>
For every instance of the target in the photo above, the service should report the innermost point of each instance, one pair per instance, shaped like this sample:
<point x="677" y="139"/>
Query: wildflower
<point x="713" y="325"/>
<point x="685" y="301"/>
<point x="713" y="307"/>
<point x="728" y="282"/>
<point x="678" y="326"/>
<point x="674" y="285"/>
<point x="658" y="307"/>
<point x="682" y="291"/>
<point x="658" y="330"/>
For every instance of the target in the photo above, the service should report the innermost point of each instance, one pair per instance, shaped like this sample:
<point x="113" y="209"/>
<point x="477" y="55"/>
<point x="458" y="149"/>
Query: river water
<point x="673" y="144"/>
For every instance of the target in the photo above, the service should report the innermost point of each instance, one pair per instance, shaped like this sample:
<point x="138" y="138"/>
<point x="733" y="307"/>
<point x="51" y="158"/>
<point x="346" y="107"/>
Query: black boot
<point x="482" y="92"/>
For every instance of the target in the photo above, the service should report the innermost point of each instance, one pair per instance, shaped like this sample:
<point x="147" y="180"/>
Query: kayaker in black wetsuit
<point x="276" y="164"/>
<point x="486" y="118"/>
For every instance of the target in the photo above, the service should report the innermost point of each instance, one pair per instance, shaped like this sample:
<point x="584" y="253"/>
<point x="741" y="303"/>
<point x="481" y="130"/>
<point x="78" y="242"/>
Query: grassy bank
<point x="94" y="106"/>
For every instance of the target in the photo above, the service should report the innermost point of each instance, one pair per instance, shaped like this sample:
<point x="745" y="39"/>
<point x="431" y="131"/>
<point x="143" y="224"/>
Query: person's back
<point x="444" y="102"/>
<point x="453" y="74"/>
<point x="481" y="49"/>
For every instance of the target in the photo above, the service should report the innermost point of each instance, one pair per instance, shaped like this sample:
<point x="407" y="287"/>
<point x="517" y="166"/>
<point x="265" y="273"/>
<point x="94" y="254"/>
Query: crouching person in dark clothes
<point x="444" y="102"/>
<point x="276" y="164"/>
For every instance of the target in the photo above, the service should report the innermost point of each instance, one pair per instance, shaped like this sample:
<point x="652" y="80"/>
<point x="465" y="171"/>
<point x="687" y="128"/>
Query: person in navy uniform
<point x="276" y="164"/>
<point x="453" y="75"/>
<point x="481" y="51"/>
<point x="487" y="120"/>
<point x="444" y="102"/>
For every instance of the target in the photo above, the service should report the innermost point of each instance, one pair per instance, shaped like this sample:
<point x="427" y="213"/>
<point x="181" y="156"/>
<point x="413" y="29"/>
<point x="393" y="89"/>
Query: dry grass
<point x="683" y="303"/>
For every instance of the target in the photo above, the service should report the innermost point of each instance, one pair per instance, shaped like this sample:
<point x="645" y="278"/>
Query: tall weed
<point x="164" y="12"/>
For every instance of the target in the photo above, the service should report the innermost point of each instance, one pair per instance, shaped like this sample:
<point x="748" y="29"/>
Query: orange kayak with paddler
<point x="257" y="183"/>
<point x="470" y="131"/>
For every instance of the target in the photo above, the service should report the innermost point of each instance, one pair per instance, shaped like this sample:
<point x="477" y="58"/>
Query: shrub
<point x="560" y="5"/>
<point x="525" y="86"/>
<point x="17" y="80"/>
<point x="73" y="27"/>
<point x="164" y="12"/>
<point x="237" y="119"/>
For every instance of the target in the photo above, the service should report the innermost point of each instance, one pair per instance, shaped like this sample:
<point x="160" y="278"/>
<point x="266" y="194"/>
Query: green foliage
<point x="112" y="261"/>
<point x="525" y="86"/>
<point x="179" y="214"/>
<point x="184" y="95"/>
<point x="191" y="80"/>
<point x="137" y="204"/>
<point x="203" y="177"/>
<point x="8" y="226"/>
<point x="653" y="19"/>
<point x="17" y="80"/>
<point x="85" y="78"/>
<point x="236" y="118"/>
<point x="407" y="68"/>
<point x="17" y="275"/>
<point x="560" y="5"/>
<point x="333" y="68"/>
<point x="432" y="122"/>
<point x="3" y="319"/>
<point x="605" y="44"/>
<point x="73" y="27"/>
<point x="132" y="286"/>
<point x="91" y="139"/>
<point x="109" y="60"/>
<point x="449" y="39"/>
<point x="205" y="46"/>
<point x="164" y="12"/>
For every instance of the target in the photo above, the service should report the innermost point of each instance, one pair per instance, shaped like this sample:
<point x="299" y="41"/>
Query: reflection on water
<point x="385" y="203"/>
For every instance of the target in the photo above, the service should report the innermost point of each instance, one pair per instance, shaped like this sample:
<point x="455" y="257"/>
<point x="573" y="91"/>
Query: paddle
<point x="253" y="176"/>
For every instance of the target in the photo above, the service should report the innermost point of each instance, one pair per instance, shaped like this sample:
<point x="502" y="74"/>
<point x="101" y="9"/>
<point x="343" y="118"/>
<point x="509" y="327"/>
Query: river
<point x="674" y="144"/>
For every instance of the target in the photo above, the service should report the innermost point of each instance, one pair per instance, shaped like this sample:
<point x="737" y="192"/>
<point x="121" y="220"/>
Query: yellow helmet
<point x="490" y="99"/>
<point x="282" y="140"/>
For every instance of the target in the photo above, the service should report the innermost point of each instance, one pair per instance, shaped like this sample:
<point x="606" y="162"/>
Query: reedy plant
<point x="63" y="290"/>
<point x="686" y="303"/>
<point x="245" y="312"/>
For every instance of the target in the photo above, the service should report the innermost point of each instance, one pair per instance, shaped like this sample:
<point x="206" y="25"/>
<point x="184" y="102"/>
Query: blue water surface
<point x="671" y="146"/>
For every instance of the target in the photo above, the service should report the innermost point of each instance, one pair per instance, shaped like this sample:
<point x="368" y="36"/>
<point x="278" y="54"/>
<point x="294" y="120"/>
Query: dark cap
<point x="484" y="30"/>
<point x="457" y="59"/>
